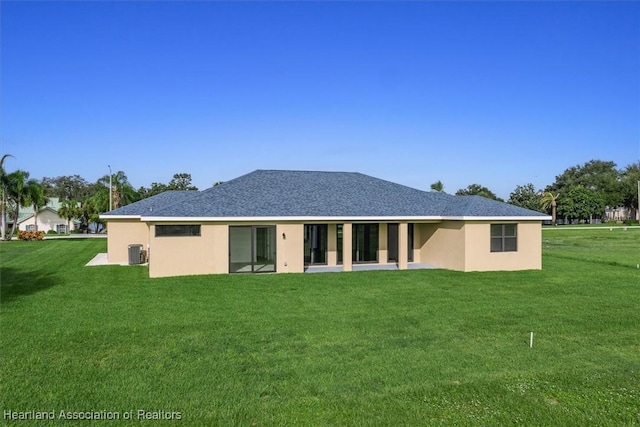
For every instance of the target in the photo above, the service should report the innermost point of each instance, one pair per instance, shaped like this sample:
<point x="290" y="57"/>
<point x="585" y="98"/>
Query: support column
<point x="403" y="242"/>
<point x="347" y="256"/>
<point x="382" y="243"/>
<point x="332" y="245"/>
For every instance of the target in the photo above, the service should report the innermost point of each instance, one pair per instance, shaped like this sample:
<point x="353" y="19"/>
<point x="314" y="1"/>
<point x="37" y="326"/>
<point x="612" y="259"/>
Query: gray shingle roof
<point x="153" y="204"/>
<point x="275" y="193"/>
<point x="481" y="206"/>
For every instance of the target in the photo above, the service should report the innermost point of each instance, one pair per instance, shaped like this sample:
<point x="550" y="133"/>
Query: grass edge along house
<point x="295" y="221"/>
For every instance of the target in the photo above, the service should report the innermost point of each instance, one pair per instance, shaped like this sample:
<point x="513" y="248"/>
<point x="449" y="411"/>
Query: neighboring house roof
<point x="26" y="212"/>
<point x="277" y="193"/>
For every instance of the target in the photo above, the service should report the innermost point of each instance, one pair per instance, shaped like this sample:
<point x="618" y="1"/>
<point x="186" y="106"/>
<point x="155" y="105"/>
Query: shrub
<point x="630" y="221"/>
<point x="30" y="235"/>
<point x="52" y="232"/>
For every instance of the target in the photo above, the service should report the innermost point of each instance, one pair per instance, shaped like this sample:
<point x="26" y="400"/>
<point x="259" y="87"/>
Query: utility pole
<point x="110" y="190"/>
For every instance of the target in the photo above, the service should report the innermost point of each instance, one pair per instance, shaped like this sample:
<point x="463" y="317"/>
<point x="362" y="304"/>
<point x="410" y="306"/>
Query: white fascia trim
<point x="119" y="217"/>
<point x="288" y="218"/>
<point x="497" y="218"/>
<point x="340" y="219"/>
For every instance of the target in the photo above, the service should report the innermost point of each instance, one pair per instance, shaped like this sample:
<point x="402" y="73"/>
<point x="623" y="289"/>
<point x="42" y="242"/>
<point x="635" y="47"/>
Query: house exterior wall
<point x="478" y="255"/>
<point x="383" y="250"/>
<point x="121" y="234"/>
<point x="47" y="220"/>
<point x="209" y="252"/>
<point x="442" y="244"/>
<point x="190" y="255"/>
<point x="403" y="242"/>
<point x="290" y="250"/>
<point x="455" y="245"/>
<point x="332" y="245"/>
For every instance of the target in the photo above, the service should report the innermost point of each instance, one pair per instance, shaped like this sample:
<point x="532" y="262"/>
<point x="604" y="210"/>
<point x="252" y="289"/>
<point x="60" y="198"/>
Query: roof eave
<point x="107" y="217"/>
<point x="333" y="218"/>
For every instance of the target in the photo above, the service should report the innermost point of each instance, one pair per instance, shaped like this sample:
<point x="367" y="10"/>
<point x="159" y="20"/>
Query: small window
<point x="31" y="227"/>
<point x="504" y="237"/>
<point x="177" y="230"/>
<point x="62" y="228"/>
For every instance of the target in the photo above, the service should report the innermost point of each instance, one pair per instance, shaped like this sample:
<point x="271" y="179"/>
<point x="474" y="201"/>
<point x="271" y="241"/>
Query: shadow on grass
<point x="15" y="283"/>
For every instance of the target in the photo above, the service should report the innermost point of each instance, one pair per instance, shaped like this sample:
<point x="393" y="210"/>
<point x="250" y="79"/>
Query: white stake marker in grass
<point x="531" y="340"/>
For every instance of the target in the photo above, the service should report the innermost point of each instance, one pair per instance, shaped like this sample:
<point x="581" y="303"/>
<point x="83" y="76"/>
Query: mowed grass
<point x="615" y="245"/>
<point x="412" y="347"/>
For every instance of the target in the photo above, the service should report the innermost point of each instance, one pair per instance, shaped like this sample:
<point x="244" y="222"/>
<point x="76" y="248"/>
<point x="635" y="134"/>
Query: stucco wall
<point x="188" y="255"/>
<point x="442" y="244"/>
<point x="121" y="234"/>
<point x="478" y="255"/>
<point x="456" y="245"/>
<point x="290" y="250"/>
<point x="209" y="252"/>
<point x="47" y="220"/>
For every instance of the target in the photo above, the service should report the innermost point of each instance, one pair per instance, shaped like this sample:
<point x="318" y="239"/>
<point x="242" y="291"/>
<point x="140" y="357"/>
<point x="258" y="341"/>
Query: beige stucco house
<point x="297" y="221"/>
<point x="48" y="218"/>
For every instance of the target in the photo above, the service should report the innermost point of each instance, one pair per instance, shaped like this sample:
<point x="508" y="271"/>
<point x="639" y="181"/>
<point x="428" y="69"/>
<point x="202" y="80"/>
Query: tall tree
<point x="35" y="196"/>
<point x="581" y="203"/>
<point x="437" y="186"/>
<point x="548" y="201"/>
<point x="156" y="188"/>
<point x="181" y="181"/>
<point x="629" y="178"/>
<point x="3" y="205"/>
<point x="478" y="190"/>
<point x="526" y="197"/>
<point x="16" y="189"/>
<point x="123" y="192"/>
<point x="69" y="210"/>
<point x="599" y="176"/>
<point x="68" y="187"/>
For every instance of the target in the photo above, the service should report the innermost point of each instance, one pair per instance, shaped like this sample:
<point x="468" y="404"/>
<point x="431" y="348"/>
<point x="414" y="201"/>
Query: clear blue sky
<point x="495" y="93"/>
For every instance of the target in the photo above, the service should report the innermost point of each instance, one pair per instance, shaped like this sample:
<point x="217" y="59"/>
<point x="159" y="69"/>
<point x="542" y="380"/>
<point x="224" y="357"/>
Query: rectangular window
<point x="504" y="237"/>
<point x="177" y="230"/>
<point x="31" y="227"/>
<point x="61" y="229"/>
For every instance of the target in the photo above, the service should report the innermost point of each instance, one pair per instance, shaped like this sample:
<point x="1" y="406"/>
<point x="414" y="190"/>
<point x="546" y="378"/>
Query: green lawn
<point x="394" y="348"/>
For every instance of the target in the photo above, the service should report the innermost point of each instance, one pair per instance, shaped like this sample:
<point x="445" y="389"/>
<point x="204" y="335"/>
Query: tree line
<point x="81" y="200"/>
<point x="581" y="192"/>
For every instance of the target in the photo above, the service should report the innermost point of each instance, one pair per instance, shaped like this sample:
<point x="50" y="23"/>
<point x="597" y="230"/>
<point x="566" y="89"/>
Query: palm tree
<point x="548" y="200"/>
<point x="35" y="195"/>
<point x="3" y="205"/>
<point x="16" y="184"/>
<point x="437" y="186"/>
<point x="69" y="210"/>
<point x="123" y="191"/>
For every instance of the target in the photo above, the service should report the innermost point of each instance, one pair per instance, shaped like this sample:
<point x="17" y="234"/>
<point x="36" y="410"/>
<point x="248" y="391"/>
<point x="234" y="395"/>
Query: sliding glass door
<point x="365" y="243"/>
<point x="252" y="249"/>
<point x="392" y="242"/>
<point x="410" y="242"/>
<point x="315" y="243"/>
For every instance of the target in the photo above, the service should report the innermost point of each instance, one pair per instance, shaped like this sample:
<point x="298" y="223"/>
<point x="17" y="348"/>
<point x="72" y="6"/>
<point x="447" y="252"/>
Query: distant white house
<point x="48" y="218"/>
<point x="619" y="214"/>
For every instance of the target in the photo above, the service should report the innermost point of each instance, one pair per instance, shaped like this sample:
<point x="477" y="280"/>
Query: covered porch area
<point x="361" y="246"/>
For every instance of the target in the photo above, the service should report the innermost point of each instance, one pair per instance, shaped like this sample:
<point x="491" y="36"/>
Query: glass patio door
<point x="365" y="243"/>
<point x="315" y="243"/>
<point x="252" y="249"/>
<point x="392" y="242"/>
